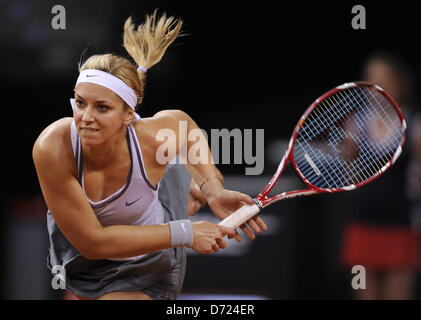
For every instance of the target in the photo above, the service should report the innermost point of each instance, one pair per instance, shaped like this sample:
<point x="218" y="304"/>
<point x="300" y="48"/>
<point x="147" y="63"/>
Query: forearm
<point x="199" y="162"/>
<point x="192" y="148"/>
<point x="122" y="241"/>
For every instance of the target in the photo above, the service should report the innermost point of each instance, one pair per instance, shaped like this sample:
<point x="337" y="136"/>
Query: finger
<point x="260" y="222"/>
<point x="227" y="231"/>
<point x="247" y="231"/>
<point x="252" y="224"/>
<point x="245" y="198"/>
<point x="221" y="243"/>
<point x="215" y="247"/>
<point x="236" y="236"/>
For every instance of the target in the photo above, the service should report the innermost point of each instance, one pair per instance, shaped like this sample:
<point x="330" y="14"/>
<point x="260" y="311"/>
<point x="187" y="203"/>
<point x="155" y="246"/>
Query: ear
<point x="129" y="117"/>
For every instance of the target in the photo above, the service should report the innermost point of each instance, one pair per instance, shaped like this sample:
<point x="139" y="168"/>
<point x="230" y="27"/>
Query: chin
<point x="90" y="142"/>
<point x="90" y="139"/>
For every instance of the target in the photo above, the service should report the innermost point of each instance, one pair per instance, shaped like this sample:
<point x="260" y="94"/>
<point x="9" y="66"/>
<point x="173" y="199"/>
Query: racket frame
<point x="247" y="211"/>
<point x="262" y="200"/>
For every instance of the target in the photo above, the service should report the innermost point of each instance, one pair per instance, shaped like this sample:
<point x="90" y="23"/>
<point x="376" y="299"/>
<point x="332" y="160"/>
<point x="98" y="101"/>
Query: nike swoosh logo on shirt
<point x="130" y="203"/>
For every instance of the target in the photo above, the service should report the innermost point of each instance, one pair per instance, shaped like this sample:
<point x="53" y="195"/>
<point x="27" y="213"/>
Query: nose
<point x="88" y="114"/>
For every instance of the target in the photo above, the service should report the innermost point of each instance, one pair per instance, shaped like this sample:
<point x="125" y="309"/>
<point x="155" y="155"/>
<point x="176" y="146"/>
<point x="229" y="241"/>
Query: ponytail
<point x="147" y="44"/>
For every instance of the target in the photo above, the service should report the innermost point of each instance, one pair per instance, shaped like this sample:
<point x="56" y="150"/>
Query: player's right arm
<point x="57" y="174"/>
<point x="66" y="200"/>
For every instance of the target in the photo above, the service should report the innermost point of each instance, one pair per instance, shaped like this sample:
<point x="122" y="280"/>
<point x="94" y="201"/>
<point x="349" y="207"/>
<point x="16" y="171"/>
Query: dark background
<point x="240" y="64"/>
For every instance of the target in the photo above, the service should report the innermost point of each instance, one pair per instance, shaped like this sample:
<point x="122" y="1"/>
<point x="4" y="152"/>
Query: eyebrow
<point x="100" y="101"/>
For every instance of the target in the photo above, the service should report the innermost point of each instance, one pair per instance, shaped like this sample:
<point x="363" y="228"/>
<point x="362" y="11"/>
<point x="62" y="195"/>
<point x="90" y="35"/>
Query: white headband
<point x="110" y="82"/>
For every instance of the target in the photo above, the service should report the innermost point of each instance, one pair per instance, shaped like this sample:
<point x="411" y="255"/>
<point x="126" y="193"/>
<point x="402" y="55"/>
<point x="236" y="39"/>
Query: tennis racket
<point x="347" y="138"/>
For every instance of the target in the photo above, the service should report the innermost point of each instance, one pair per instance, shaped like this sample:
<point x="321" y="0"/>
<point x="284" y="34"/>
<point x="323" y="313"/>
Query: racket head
<point x="347" y="138"/>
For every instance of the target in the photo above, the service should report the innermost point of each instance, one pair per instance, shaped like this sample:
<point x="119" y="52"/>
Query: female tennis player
<point x="117" y="236"/>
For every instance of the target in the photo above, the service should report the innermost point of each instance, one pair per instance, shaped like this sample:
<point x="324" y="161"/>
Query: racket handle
<point x="240" y="216"/>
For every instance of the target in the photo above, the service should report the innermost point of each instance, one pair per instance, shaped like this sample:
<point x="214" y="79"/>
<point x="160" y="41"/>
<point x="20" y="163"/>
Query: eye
<point x="102" y="107"/>
<point x="79" y="103"/>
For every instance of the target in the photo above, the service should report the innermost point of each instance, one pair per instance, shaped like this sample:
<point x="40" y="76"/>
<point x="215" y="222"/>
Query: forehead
<point x="91" y="91"/>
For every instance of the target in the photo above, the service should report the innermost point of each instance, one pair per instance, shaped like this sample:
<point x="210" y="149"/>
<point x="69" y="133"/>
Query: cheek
<point x="77" y="116"/>
<point x="108" y="127"/>
<point x="109" y="122"/>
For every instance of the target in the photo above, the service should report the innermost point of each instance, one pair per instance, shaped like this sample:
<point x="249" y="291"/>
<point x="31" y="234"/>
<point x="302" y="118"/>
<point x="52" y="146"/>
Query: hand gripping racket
<point x="347" y="138"/>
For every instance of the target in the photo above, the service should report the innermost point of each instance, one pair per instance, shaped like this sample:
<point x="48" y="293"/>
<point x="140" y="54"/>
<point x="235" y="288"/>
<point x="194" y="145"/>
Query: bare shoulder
<point x="171" y="114"/>
<point x="53" y="145"/>
<point x="55" y="135"/>
<point x="147" y="128"/>
<point x="165" y="119"/>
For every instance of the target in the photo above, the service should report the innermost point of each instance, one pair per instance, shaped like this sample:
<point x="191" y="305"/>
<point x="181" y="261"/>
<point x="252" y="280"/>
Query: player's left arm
<point x="187" y="136"/>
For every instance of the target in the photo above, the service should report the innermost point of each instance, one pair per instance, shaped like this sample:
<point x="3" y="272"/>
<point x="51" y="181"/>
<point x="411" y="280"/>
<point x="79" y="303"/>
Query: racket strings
<point x="358" y="117"/>
<point x="336" y="146"/>
<point x="371" y="157"/>
<point x="376" y="160"/>
<point x="376" y="97"/>
<point x="322" y="176"/>
<point x="338" y="136"/>
<point x="367" y="153"/>
<point x="394" y="129"/>
<point x="339" y="166"/>
<point x="328" y="154"/>
<point x="338" y="110"/>
<point x="390" y="145"/>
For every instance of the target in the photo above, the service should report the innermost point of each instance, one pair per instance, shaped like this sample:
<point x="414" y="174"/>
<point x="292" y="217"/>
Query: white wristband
<point x="181" y="233"/>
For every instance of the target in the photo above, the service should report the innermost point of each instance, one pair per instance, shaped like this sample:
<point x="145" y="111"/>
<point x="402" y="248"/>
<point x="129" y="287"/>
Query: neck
<point x="103" y="155"/>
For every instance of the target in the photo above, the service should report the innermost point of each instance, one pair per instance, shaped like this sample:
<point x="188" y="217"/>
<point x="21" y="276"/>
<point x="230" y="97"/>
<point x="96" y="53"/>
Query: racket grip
<point x="240" y="216"/>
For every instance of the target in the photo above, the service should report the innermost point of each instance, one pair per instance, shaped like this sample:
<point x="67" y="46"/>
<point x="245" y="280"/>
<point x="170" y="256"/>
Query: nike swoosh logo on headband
<point x="91" y="75"/>
<point x="130" y="203"/>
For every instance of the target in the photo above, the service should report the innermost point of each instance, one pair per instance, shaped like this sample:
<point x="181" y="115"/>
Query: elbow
<point x="95" y="254"/>
<point x="90" y="254"/>
<point x="92" y="249"/>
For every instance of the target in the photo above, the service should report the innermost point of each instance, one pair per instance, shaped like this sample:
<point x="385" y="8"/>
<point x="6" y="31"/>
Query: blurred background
<point x="240" y="64"/>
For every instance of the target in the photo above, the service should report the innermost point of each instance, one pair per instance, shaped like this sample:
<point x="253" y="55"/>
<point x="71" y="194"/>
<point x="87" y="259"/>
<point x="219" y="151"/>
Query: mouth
<point x="88" y="129"/>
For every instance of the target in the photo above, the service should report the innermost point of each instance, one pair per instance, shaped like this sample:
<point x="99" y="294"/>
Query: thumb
<point x="245" y="198"/>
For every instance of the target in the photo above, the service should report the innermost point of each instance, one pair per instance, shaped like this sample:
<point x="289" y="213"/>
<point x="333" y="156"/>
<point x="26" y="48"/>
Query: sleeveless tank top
<point x="136" y="203"/>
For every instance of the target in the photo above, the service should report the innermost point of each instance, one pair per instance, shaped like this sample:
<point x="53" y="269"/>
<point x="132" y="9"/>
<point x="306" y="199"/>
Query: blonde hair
<point x="146" y="45"/>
